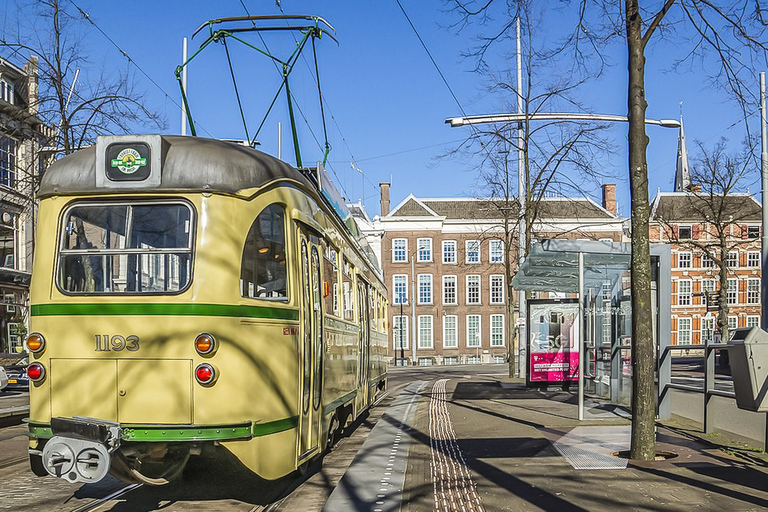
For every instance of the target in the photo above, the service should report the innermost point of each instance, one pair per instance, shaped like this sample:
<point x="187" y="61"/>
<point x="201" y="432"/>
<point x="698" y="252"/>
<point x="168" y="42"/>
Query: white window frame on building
<point x="426" y="330"/>
<point x="684" y="259"/>
<point x="424" y="249"/>
<point x="496" y="251"/>
<point x="8" y="150"/>
<point x="472" y="249"/>
<point x="473" y="289"/>
<point x="447" y="292"/>
<point x="497" y="288"/>
<point x="448" y="341"/>
<point x="753" y="321"/>
<point x="7" y="91"/>
<point x="708" y="285"/>
<point x="473" y="335"/>
<point x="733" y="323"/>
<point x="684" y="292"/>
<point x="399" y="250"/>
<point x="732" y="293"/>
<point x="684" y="330"/>
<point x="400" y="336"/>
<point x="400" y="297"/>
<point x="753" y="259"/>
<point x="449" y="251"/>
<point x="753" y="291"/>
<point x="497" y="330"/>
<point x="707" y="261"/>
<point x="733" y="259"/>
<point x="708" y="329"/>
<point x="425" y="289"/>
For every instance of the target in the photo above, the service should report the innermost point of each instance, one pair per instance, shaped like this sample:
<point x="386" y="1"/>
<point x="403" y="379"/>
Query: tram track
<point x="112" y="496"/>
<point x="12" y="462"/>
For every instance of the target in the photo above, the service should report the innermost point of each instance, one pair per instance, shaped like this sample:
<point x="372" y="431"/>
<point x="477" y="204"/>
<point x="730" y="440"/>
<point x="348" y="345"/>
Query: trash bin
<point x="748" y="351"/>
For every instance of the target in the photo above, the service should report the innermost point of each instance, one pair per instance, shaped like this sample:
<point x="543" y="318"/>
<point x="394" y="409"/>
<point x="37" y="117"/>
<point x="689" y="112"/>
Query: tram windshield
<point x="126" y="248"/>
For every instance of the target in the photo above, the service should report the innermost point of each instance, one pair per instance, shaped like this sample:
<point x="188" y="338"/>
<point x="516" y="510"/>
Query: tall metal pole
<point x="184" y="84"/>
<point x="580" y="337"/>
<point x="764" y="239"/>
<point x="402" y="347"/>
<point x="522" y="198"/>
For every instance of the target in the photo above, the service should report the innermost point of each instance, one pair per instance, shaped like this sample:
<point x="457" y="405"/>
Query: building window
<point x="449" y="290"/>
<point x="449" y="251"/>
<point x="425" y="331"/>
<point x="425" y="361"/>
<point x="400" y="332"/>
<point x="708" y="285"/>
<point x="400" y="289"/>
<point x="753" y="291"/>
<point x="473" y="289"/>
<point x="451" y="360"/>
<point x="473" y="251"/>
<point x="707" y="261"/>
<point x="425" y="249"/>
<point x="474" y="359"/>
<point x="733" y="259"/>
<point x="707" y="329"/>
<point x="753" y="259"/>
<point x="497" y="330"/>
<point x="684" y="232"/>
<point x="399" y="250"/>
<point x="753" y="231"/>
<point x="473" y="330"/>
<point x="6" y="91"/>
<point x="450" y="331"/>
<point x="733" y="324"/>
<point x="753" y="321"/>
<point x="683" y="260"/>
<point x="7" y="162"/>
<point x="496" y="251"/>
<point x="732" y="294"/>
<point x="497" y="289"/>
<point x="425" y="288"/>
<point x="684" y="292"/>
<point x="683" y="331"/>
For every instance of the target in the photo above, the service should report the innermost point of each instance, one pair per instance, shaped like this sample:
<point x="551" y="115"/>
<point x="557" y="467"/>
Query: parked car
<point x="17" y="375"/>
<point x="3" y="378"/>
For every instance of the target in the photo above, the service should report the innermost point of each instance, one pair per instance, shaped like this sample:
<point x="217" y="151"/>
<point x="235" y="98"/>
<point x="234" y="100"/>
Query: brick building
<point x="450" y="254"/>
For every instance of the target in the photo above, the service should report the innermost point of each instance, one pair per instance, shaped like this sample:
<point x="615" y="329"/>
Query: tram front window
<point x="126" y="248"/>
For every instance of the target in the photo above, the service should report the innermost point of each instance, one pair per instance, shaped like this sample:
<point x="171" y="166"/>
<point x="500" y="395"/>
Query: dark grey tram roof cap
<point x="141" y="163"/>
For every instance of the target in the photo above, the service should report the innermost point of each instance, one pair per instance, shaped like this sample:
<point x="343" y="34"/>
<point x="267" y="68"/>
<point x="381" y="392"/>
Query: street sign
<point x="713" y="301"/>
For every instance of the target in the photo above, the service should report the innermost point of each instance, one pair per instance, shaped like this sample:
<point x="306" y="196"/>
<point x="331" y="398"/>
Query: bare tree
<point x="79" y="100"/>
<point x="721" y="211"/>
<point x="730" y="37"/>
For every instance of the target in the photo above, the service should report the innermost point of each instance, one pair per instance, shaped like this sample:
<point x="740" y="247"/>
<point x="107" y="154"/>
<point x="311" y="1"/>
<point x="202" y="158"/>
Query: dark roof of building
<point x="696" y="207"/>
<point x="494" y="209"/>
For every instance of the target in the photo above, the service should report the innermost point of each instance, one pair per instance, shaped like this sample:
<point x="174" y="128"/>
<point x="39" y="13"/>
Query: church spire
<point x="682" y="173"/>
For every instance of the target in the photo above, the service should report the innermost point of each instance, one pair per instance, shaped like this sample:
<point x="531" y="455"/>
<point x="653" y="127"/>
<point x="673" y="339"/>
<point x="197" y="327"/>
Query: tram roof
<point x="188" y="164"/>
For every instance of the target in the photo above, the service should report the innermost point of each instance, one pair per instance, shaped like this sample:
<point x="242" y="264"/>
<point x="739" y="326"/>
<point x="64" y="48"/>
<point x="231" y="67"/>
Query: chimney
<point x="609" y="197"/>
<point x="384" y="198"/>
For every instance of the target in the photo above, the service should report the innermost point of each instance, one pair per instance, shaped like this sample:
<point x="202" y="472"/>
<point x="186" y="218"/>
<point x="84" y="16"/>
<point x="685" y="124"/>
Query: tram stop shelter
<point x="585" y="322"/>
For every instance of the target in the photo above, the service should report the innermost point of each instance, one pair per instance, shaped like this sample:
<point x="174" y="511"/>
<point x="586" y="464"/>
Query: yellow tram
<point x="192" y="295"/>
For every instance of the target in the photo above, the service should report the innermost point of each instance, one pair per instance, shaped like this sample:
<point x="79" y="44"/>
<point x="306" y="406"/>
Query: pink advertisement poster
<point x="554" y="342"/>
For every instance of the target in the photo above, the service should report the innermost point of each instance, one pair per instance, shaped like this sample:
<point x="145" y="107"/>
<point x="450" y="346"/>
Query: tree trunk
<point x="643" y="444"/>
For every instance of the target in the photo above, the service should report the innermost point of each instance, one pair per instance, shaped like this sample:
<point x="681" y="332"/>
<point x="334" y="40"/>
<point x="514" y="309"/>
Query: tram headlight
<point x="36" y="372"/>
<point x="35" y="342"/>
<point x="205" y="344"/>
<point x="205" y="373"/>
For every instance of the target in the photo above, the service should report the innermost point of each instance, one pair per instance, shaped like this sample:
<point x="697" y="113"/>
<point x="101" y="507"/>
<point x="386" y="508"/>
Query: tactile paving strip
<point x="593" y="447"/>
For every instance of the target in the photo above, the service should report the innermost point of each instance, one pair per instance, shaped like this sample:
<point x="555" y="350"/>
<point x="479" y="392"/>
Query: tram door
<point x="311" y="345"/>
<point x="362" y="373"/>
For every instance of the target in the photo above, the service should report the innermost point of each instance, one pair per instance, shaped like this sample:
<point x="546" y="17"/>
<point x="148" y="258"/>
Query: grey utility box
<point x="748" y="355"/>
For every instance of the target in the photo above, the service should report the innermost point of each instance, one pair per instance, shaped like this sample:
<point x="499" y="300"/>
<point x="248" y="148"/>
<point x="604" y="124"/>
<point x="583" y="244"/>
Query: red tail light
<point x="36" y="372"/>
<point x="205" y="373"/>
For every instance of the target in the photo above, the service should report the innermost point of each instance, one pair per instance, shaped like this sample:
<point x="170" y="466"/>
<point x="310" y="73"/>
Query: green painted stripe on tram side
<point x="273" y="427"/>
<point x="158" y="433"/>
<point x="132" y="309"/>
<point x="342" y="400"/>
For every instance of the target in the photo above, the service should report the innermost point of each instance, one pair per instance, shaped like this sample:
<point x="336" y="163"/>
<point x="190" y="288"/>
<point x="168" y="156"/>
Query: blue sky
<point x="386" y="101"/>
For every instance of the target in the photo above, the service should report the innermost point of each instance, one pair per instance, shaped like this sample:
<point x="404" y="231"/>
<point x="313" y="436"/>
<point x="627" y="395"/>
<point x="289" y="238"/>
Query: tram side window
<point x="126" y="248"/>
<point x="263" y="269"/>
<point x="331" y="271"/>
<point x="347" y="291"/>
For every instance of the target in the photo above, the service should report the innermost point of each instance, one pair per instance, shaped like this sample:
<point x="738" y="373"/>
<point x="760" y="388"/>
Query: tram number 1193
<point x="116" y="343"/>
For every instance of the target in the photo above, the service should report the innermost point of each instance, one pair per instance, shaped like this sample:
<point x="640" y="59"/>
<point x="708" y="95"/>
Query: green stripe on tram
<point x="132" y="309"/>
<point x="273" y="427"/>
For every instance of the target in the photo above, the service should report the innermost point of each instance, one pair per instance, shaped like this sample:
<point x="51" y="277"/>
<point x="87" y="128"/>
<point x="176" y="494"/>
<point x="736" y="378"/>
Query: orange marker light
<point x="35" y="342"/>
<point x="205" y="343"/>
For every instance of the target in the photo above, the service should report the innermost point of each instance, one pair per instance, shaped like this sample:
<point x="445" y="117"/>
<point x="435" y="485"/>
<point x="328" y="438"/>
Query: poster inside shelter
<point x="554" y="342"/>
